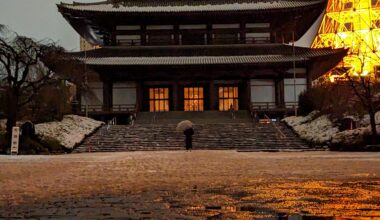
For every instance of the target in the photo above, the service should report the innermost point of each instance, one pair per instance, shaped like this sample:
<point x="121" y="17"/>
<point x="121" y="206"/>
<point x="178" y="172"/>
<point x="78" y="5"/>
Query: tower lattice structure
<point x="352" y="24"/>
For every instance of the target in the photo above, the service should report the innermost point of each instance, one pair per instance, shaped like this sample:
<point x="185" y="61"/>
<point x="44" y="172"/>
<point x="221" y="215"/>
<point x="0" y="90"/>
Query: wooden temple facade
<point x="182" y="55"/>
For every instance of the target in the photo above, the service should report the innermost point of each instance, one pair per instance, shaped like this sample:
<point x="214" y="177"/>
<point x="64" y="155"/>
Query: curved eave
<point x="228" y="7"/>
<point x="85" y="28"/>
<point x="313" y="57"/>
<point x="322" y="64"/>
<point x="190" y="61"/>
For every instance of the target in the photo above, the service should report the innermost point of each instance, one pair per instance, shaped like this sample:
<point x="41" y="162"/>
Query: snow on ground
<point x="319" y="130"/>
<point x="298" y="120"/>
<point x="351" y="137"/>
<point x="365" y="121"/>
<point x="70" y="131"/>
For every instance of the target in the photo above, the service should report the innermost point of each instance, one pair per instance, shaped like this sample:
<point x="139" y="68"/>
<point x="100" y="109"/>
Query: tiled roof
<point x="135" y="6"/>
<point x="146" y="61"/>
<point x="199" y="55"/>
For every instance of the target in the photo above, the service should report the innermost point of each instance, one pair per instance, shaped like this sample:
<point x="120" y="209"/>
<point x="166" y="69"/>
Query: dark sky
<point x="40" y="19"/>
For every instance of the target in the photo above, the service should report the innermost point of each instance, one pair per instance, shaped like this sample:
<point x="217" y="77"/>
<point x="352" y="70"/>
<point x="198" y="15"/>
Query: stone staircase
<point x="206" y="117"/>
<point x="213" y="131"/>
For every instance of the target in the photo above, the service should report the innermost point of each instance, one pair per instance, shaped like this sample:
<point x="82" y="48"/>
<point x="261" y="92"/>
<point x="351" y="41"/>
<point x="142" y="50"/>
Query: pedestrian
<point x="232" y="110"/>
<point x="189" y="138"/>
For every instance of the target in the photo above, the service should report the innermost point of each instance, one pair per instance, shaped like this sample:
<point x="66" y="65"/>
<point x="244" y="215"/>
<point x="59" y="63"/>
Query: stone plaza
<point x="191" y="185"/>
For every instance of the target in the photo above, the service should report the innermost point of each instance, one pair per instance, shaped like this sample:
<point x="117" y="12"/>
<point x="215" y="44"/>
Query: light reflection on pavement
<point x="196" y="185"/>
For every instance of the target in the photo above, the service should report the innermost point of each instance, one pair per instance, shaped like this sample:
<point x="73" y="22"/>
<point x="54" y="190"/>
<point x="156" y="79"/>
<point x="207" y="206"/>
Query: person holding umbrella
<point x="188" y="131"/>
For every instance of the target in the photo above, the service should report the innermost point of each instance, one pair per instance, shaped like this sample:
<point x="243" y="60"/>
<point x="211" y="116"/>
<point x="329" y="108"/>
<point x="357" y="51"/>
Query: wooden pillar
<point x="107" y="95"/>
<point x="209" y="33"/>
<point x="139" y="96"/>
<point x="212" y="95"/>
<point x="143" y="34"/>
<point x="176" y="35"/>
<point x="309" y="81"/>
<point x="242" y="33"/>
<point x="248" y="90"/>
<point x="280" y="92"/>
<point x="175" y="96"/>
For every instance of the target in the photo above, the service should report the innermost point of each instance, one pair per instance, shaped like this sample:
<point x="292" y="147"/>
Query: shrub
<point x="3" y="143"/>
<point x="305" y="103"/>
<point x="52" y="145"/>
<point x="30" y="146"/>
<point x="336" y="101"/>
<point x="312" y="99"/>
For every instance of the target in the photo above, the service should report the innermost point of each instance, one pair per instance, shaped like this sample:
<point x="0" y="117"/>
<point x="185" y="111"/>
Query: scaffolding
<point x="355" y="25"/>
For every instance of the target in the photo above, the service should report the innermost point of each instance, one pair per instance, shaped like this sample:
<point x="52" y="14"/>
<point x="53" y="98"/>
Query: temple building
<point x="183" y="55"/>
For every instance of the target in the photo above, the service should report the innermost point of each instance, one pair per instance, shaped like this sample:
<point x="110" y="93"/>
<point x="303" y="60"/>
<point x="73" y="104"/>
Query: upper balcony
<point x="195" y="34"/>
<point x="97" y="22"/>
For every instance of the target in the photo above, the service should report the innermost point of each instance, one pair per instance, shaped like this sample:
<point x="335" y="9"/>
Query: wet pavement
<point x="192" y="185"/>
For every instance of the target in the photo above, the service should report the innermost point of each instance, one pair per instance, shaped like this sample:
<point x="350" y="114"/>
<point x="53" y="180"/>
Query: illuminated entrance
<point x="159" y="99"/>
<point x="193" y="99"/>
<point x="228" y="97"/>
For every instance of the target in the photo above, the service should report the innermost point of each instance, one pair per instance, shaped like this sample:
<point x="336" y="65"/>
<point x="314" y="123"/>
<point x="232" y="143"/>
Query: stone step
<point x="214" y="130"/>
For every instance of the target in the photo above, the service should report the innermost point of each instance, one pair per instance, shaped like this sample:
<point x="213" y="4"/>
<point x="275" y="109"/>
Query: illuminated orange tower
<point x="353" y="24"/>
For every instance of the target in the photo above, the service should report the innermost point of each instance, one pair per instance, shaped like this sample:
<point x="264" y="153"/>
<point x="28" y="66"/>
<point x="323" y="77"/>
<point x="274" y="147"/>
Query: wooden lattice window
<point x="228" y="97"/>
<point x="159" y="99"/>
<point x="194" y="99"/>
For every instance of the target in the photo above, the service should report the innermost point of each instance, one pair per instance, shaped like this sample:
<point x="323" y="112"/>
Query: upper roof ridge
<point x="118" y="3"/>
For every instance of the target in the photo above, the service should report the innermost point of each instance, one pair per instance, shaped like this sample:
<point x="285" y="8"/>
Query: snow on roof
<point x="223" y="6"/>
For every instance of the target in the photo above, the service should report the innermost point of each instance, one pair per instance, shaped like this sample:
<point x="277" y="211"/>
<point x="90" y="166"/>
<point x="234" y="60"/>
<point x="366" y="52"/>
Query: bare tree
<point x="22" y="72"/>
<point x="366" y="88"/>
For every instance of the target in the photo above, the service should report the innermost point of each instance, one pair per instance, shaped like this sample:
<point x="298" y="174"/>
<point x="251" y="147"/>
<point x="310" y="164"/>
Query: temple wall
<point x="263" y="90"/>
<point x="300" y="86"/>
<point x="124" y="93"/>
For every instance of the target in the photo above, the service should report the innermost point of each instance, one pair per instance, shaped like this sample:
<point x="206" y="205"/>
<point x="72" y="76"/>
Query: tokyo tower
<point x="353" y="24"/>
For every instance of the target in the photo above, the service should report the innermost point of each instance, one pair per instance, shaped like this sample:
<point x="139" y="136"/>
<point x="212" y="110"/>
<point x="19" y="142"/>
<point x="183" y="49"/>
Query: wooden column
<point x="309" y="81"/>
<point x="280" y="92"/>
<point x="209" y="33"/>
<point x="143" y="34"/>
<point x="242" y="33"/>
<point x="175" y="96"/>
<point x="248" y="90"/>
<point x="139" y="96"/>
<point x="212" y="95"/>
<point x="176" y="35"/>
<point x="107" y="95"/>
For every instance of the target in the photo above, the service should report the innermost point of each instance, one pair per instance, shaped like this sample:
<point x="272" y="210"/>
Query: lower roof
<point x="201" y="55"/>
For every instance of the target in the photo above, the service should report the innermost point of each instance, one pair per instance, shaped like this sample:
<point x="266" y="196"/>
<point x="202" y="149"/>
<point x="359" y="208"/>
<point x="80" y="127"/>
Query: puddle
<point x="297" y="217"/>
<point x="269" y="212"/>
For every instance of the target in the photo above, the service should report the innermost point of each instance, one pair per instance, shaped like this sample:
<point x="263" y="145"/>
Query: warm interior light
<point x="353" y="24"/>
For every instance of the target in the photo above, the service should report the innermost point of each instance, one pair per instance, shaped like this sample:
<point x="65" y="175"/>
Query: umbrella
<point x="183" y="125"/>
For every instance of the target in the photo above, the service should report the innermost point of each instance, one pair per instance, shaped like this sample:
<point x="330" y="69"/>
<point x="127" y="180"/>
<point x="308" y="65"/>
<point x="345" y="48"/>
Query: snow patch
<point x="366" y="121"/>
<point x="318" y="131"/>
<point x="321" y="131"/>
<point x="351" y="137"/>
<point x="298" y="120"/>
<point x="70" y="131"/>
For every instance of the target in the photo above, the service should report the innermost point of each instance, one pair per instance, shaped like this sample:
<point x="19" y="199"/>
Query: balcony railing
<point x="214" y="41"/>
<point x="272" y="106"/>
<point x="257" y="40"/>
<point x="129" y="42"/>
<point x="125" y="108"/>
